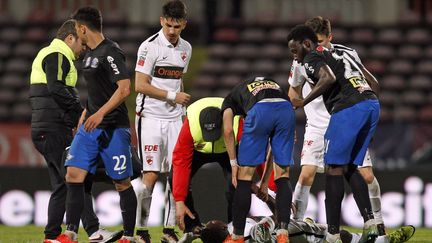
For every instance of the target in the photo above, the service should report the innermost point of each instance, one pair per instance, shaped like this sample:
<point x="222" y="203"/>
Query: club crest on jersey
<point x="149" y="159"/>
<point x="183" y="56"/>
<point x="94" y="63"/>
<point x="141" y="60"/>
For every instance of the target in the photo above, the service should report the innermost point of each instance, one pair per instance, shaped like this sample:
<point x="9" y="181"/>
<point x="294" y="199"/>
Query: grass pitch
<point x="34" y="234"/>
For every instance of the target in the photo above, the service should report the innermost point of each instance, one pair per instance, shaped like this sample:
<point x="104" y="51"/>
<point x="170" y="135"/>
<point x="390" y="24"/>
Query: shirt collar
<point x="166" y="41"/>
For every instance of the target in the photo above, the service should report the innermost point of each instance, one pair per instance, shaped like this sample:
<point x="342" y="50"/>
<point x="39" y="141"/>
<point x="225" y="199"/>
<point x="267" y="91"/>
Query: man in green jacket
<point x="56" y="110"/>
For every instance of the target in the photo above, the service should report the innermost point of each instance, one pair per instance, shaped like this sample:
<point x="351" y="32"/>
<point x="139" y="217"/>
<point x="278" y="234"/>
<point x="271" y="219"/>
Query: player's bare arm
<point x="119" y="96"/>
<point x="372" y="81"/>
<point x="326" y="79"/>
<point x="295" y="92"/>
<point x="143" y="85"/>
<point x="181" y="211"/>
<point x="229" y="139"/>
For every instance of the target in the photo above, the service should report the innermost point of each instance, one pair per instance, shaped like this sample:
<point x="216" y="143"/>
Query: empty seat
<point x="274" y="51"/>
<point x="205" y="81"/>
<point x="238" y="66"/>
<point x="390" y="36"/>
<point x="410" y="51"/>
<point x="230" y="80"/>
<point x="136" y="33"/>
<point x="246" y="51"/>
<point x="264" y="66"/>
<point x="393" y="83"/>
<point x="420" y="82"/>
<point x="360" y="49"/>
<point x="14" y="81"/>
<point x="285" y="66"/>
<point x="253" y="35"/>
<point x="405" y="114"/>
<point x="36" y="34"/>
<point x="419" y="36"/>
<point x="413" y="98"/>
<point x="226" y="35"/>
<point x="114" y="33"/>
<point x="18" y="65"/>
<point x="385" y="114"/>
<point x="425" y="113"/>
<point x="26" y="49"/>
<point x="401" y="67"/>
<point x="278" y="35"/>
<point x="4" y="113"/>
<point x="388" y="98"/>
<point x="11" y="35"/>
<point x="21" y="112"/>
<point x="4" y="50"/>
<point x="7" y="97"/>
<point x="362" y="35"/>
<point x="213" y="66"/>
<point x="428" y="52"/>
<point x="220" y="51"/>
<point x="340" y="35"/>
<point x="381" y="52"/>
<point x="424" y="67"/>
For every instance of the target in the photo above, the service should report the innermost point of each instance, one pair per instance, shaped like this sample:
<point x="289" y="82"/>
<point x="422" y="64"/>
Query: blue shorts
<point x="350" y="132"/>
<point x="268" y="121"/>
<point x="113" y="145"/>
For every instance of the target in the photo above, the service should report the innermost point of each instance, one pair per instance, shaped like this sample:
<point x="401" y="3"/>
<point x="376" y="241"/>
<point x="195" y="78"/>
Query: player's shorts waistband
<point x="272" y="100"/>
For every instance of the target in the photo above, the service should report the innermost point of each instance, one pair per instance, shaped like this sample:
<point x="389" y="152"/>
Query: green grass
<point x="34" y="234"/>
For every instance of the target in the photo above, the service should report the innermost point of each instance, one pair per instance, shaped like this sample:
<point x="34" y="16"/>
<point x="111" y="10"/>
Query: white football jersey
<point x="316" y="112"/>
<point x="166" y="64"/>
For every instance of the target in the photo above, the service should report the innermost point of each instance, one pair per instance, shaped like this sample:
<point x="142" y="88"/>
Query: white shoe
<point x="104" y="236"/>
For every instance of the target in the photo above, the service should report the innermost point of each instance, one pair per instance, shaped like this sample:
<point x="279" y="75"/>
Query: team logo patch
<point x="94" y="63"/>
<point x="259" y="85"/>
<point x="113" y="65"/>
<point x="183" y="56"/>
<point x="151" y="148"/>
<point x="141" y="60"/>
<point x="149" y="159"/>
<point x="168" y="72"/>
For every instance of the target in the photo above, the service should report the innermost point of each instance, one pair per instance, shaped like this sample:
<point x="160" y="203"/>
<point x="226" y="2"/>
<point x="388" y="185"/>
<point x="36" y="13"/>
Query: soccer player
<point x="269" y="118"/>
<point x="162" y="60"/>
<point x="354" y="110"/>
<point x="317" y="122"/>
<point x="105" y="129"/>
<point x="200" y="142"/>
<point x="56" y="110"/>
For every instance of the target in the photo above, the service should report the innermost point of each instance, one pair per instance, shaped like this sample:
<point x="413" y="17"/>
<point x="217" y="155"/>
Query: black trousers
<point x="52" y="145"/>
<point x="198" y="160"/>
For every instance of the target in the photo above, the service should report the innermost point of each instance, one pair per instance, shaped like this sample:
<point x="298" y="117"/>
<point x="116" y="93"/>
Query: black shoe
<point x="169" y="236"/>
<point x="381" y="229"/>
<point x="143" y="236"/>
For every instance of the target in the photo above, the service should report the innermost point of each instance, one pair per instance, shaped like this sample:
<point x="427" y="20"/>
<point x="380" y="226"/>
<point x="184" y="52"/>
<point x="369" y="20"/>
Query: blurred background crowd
<point x="232" y="40"/>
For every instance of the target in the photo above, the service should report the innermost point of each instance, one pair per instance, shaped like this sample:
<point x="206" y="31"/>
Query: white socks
<point x="375" y="198"/>
<point x="300" y="200"/>
<point x="144" y="199"/>
<point x="169" y="219"/>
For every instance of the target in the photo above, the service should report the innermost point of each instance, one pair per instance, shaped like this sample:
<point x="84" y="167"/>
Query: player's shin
<point x="283" y="198"/>
<point x="334" y="192"/>
<point x="74" y="205"/>
<point x="300" y="200"/>
<point x="375" y="199"/>
<point x="128" y="205"/>
<point x="360" y="193"/>
<point x="169" y="207"/>
<point x="241" y="206"/>
<point x="144" y="198"/>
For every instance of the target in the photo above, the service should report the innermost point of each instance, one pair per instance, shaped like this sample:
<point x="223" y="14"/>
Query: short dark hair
<point x="214" y="231"/>
<point x="302" y="32"/>
<point x="174" y="9"/>
<point x="89" y="16"/>
<point x="66" y="29"/>
<point x="319" y="25"/>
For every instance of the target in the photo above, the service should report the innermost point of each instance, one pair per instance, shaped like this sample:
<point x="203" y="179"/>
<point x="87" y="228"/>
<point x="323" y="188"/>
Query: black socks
<point x="74" y="205"/>
<point x="241" y="205"/>
<point x="283" y="198"/>
<point x="128" y="206"/>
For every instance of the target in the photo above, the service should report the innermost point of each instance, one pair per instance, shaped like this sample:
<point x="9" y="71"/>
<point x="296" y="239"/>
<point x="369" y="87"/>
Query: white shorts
<point x="156" y="140"/>
<point x="313" y="151"/>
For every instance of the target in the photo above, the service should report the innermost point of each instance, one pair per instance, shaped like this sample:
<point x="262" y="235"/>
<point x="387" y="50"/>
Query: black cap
<point x="211" y="123"/>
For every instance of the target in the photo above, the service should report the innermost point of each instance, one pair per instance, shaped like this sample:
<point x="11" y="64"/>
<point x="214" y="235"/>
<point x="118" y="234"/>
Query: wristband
<point x="171" y="95"/>
<point x="233" y="162"/>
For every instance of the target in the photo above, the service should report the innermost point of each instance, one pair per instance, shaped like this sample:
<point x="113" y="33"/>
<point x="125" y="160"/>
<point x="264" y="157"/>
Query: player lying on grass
<point x="262" y="229"/>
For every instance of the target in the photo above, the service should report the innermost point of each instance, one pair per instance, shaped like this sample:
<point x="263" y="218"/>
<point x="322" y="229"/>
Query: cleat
<point x="63" y="238"/>
<point x="169" y="236"/>
<point x="105" y="236"/>
<point x="143" y="236"/>
<point x="381" y="229"/>
<point x="282" y="238"/>
<point x="127" y="239"/>
<point x="229" y="239"/>
<point x="261" y="232"/>
<point x="330" y="238"/>
<point x="403" y="234"/>
<point x="370" y="232"/>
<point x="346" y="236"/>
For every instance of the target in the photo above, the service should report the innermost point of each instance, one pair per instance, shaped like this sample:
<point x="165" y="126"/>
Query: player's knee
<point x="368" y="177"/>
<point x="121" y="185"/>
<point x="75" y="175"/>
